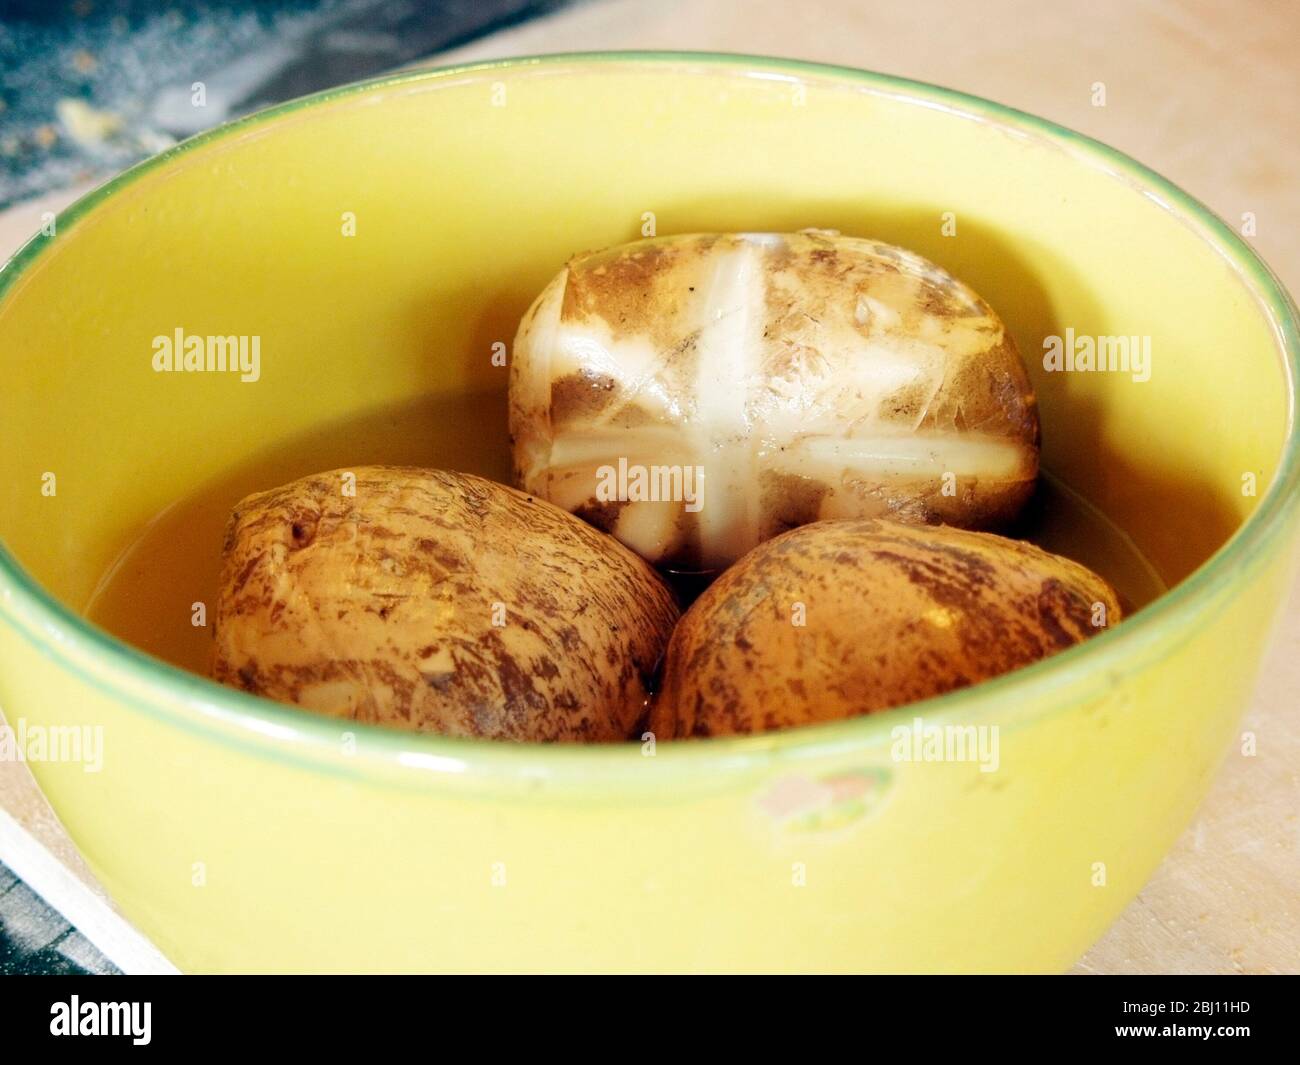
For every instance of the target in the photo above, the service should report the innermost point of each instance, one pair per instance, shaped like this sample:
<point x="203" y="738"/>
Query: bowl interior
<point x="375" y="247"/>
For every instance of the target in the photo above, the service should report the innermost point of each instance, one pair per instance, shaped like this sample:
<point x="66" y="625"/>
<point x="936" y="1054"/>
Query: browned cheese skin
<point x="806" y="376"/>
<point x="380" y="608"/>
<point x="891" y="614"/>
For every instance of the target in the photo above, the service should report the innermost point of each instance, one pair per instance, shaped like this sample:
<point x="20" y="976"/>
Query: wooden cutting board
<point x="1204" y="93"/>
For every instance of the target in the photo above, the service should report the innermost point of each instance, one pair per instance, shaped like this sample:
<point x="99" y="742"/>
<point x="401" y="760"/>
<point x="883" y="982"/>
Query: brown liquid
<point x="146" y="597"/>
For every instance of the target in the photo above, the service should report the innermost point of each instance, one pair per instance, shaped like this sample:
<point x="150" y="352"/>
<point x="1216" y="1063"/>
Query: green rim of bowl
<point x="286" y="734"/>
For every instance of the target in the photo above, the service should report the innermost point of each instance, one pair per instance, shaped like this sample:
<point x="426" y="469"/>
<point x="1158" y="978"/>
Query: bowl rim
<point x="285" y="733"/>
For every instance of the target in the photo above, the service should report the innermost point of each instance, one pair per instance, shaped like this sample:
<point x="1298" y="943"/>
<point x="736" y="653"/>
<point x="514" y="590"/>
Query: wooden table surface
<point x="1203" y="92"/>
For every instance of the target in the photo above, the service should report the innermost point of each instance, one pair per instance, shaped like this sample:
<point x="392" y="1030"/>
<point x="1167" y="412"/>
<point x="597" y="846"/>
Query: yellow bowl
<point x="378" y="241"/>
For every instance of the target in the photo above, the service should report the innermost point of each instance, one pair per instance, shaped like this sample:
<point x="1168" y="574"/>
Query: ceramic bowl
<point x="377" y="242"/>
